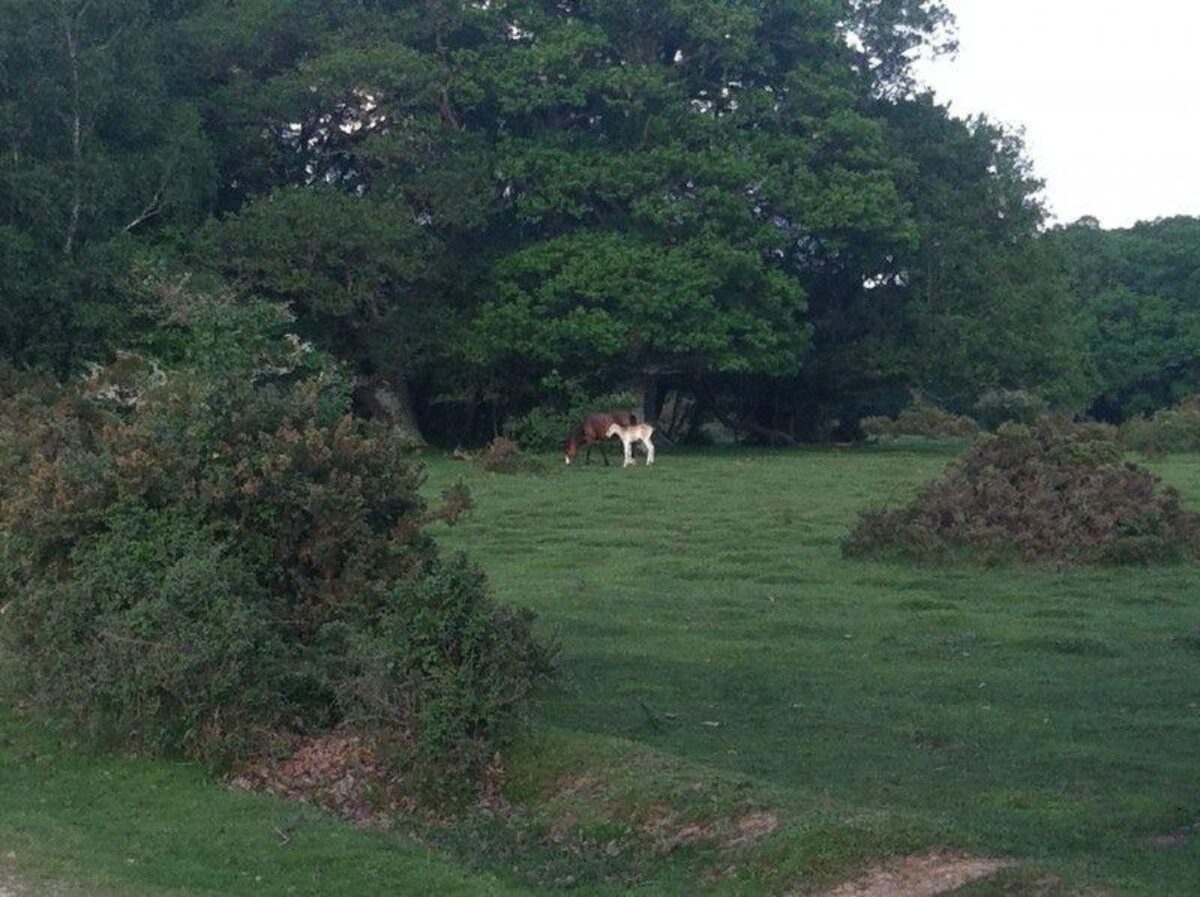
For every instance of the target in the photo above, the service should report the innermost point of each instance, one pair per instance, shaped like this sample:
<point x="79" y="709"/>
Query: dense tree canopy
<point x="98" y="150"/>
<point x="748" y="205"/>
<point x="1138" y="292"/>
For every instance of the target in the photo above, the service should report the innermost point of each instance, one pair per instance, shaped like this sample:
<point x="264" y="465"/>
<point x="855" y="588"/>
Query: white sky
<point x="1108" y="92"/>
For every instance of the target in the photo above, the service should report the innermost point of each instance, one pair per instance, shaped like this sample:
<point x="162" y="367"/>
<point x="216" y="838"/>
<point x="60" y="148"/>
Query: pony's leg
<point x="604" y="451"/>
<point x="627" y="445"/>
<point x="649" y="446"/>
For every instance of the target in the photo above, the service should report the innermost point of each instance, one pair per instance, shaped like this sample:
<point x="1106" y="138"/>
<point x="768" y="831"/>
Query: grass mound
<point x="1056" y="491"/>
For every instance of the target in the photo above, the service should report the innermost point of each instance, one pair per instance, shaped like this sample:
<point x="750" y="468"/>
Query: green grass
<point x="73" y="823"/>
<point x="1051" y="716"/>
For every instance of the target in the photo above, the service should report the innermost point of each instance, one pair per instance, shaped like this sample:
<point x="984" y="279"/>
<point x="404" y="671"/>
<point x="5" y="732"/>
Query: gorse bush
<point x="1174" y="429"/>
<point x="921" y="419"/>
<point x="205" y="555"/>
<point x="155" y="637"/>
<point x="1057" y="491"/>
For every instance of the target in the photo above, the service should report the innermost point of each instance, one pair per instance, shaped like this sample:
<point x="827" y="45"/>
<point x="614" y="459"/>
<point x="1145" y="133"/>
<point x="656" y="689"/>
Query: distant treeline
<point x="746" y="211"/>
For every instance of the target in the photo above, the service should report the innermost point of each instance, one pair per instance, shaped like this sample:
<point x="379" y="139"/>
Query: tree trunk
<point x="650" y="403"/>
<point x="683" y="406"/>
<point x="740" y="426"/>
<point x="388" y="399"/>
<point x="468" y="427"/>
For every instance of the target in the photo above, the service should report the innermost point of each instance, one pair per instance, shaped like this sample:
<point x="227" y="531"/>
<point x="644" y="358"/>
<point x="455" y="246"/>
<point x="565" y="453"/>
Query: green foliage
<point x="189" y="664"/>
<point x="1057" y="491"/>
<point x="542" y="429"/>
<point x="1175" y="429"/>
<point x="354" y="271"/>
<point x="213" y="552"/>
<point x="891" y="32"/>
<point x="617" y="304"/>
<point x="985" y="308"/>
<point x="1136" y="290"/>
<point x="728" y="200"/>
<point x="921" y="419"/>
<point x="99" y="148"/>
<point x="952" y="292"/>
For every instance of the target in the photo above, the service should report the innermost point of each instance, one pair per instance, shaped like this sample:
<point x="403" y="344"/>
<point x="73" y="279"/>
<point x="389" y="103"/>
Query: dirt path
<point x="922" y="875"/>
<point x="8" y="886"/>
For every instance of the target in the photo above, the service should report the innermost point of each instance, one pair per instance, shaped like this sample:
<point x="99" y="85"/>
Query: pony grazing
<point x="631" y="434"/>
<point x="592" y="431"/>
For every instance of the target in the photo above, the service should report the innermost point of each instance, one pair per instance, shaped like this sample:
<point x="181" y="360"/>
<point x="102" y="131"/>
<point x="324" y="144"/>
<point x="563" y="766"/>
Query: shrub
<point x="502" y="455"/>
<point x="921" y="419"/>
<point x="155" y="636"/>
<point x="206" y="555"/>
<point x="1056" y="491"/>
<point x="539" y="430"/>
<point x="1009" y="406"/>
<point x="1174" y="429"/>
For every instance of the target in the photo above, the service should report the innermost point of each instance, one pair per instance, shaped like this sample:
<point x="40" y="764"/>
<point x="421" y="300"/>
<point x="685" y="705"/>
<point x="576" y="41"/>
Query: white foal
<point x="629" y="435"/>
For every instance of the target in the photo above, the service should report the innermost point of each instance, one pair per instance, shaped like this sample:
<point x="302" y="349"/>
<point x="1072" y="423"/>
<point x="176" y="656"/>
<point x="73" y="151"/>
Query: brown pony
<point x="594" y="430"/>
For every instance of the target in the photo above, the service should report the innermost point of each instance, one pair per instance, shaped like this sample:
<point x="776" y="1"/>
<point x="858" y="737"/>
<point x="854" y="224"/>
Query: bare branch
<point x="155" y="206"/>
<point x="82" y="11"/>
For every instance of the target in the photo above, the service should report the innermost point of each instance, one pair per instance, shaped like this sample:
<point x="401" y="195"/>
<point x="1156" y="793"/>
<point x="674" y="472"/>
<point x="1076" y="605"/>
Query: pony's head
<point x="613" y="430"/>
<point x="571" y="445"/>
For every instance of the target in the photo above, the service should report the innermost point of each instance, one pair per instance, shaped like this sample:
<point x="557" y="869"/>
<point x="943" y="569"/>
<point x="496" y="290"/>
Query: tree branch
<point x="69" y="24"/>
<point x="155" y="205"/>
<point x="445" y="109"/>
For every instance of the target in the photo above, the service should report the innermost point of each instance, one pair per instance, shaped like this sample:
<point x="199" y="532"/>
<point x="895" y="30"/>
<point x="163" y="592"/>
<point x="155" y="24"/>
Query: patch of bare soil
<point x="8" y="887"/>
<point x="582" y="786"/>
<point x="661" y="827"/>
<point x="922" y="875"/>
<point x="750" y="828"/>
<point x="1173" y="839"/>
<point x="668" y="832"/>
<point x="338" y="772"/>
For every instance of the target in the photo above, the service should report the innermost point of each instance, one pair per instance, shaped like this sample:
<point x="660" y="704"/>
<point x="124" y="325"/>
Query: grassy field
<point x="741" y="710"/>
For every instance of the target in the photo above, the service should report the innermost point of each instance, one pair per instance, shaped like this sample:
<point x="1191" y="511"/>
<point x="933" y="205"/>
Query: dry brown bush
<point x="1058" y="491"/>
<point x="503" y="455"/>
